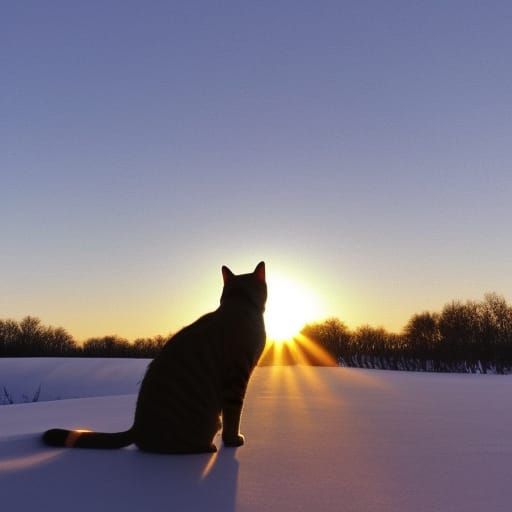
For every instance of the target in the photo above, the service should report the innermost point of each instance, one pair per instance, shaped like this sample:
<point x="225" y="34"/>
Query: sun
<point x="290" y="306"/>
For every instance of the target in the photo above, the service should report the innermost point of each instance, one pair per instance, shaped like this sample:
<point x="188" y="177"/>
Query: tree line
<point x="30" y="338"/>
<point x="471" y="336"/>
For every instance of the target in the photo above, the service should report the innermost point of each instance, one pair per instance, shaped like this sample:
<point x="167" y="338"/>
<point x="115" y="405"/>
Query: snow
<point x="317" y="439"/>
<point x="69" y="377"/>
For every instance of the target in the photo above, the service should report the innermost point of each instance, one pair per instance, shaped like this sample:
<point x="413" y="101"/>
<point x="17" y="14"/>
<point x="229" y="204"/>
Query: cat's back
<point x="185" y="374"/>
<point x="195" y="335"/>
<point x="191" y="349"/>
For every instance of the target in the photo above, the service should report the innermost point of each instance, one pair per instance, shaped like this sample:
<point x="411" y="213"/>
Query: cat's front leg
<point x="230" y="426"/>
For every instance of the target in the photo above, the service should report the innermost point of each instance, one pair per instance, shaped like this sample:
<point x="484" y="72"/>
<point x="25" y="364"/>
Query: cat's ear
<point x="259" y="271"/>
<point x="226" y="274"/>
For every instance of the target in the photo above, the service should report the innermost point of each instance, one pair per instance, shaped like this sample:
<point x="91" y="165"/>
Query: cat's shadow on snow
<point x="37" y="476"/>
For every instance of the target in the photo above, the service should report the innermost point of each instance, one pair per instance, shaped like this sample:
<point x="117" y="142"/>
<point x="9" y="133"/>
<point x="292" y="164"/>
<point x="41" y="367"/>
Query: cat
<point x="197" y="384"/>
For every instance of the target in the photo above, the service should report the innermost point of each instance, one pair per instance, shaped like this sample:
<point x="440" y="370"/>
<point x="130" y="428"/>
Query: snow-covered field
<point x="318" y="439"/>
<point x="61" y="378"/>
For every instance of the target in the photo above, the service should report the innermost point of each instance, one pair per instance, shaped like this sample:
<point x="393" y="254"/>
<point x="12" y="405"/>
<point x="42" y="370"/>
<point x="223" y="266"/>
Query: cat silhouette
<point x="197" y="384"/>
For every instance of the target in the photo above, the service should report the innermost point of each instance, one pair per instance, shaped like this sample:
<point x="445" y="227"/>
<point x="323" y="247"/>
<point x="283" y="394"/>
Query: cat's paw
<point x="238" y="440"/>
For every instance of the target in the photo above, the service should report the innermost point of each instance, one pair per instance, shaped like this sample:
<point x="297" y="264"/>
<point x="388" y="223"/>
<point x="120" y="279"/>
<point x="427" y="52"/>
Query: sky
<point x="362" y="149"/>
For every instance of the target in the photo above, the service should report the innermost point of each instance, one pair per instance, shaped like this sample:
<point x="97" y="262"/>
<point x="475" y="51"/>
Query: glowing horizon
<point x="359" y="153"/>
<point x="289" y="307"/>
<point x="153" y="322"/>
<point x="299" y="350"/>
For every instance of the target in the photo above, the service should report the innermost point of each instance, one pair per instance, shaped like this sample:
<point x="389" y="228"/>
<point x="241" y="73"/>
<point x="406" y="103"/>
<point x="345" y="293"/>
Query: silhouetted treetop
<point x="463" y="336"/>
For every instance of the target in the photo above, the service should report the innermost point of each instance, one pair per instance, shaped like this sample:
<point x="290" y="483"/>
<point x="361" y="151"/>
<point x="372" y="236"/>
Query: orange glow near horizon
<point x="289" y="307"/>
<point x="300" y="350"/>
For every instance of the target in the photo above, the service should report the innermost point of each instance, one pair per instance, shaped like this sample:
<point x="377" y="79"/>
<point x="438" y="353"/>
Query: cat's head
<point x="250" y="287"/>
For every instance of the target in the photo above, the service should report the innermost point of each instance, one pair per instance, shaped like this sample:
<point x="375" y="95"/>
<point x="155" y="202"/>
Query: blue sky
<point x="361" y="148"/>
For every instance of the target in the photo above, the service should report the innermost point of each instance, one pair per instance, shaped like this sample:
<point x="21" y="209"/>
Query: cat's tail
<point x="87" y="438"/>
